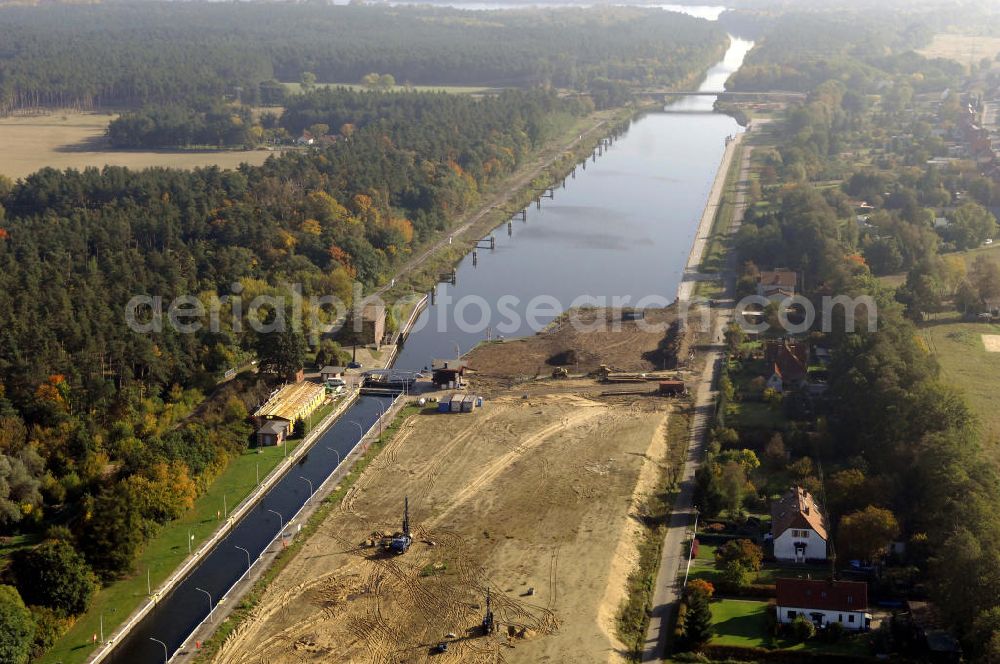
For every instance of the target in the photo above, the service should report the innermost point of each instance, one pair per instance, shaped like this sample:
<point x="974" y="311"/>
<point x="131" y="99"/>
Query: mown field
<point x="76" y="140"/>
<point x="962" y="48"/>
<point x="296" y="88"/>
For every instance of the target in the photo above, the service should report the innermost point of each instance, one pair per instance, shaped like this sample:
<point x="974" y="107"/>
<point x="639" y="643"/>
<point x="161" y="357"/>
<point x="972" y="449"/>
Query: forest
<point x="106" y="433"/>
<point x="130" y="55"/>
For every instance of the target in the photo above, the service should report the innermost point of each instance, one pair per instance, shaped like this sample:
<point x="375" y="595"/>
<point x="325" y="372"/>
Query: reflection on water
<point x="622" y="228"/>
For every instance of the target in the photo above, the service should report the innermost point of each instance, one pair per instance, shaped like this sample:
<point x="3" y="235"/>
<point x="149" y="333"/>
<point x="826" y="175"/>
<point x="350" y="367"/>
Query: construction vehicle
<point x="488" y="623"/>
<point x="401" y="541"/>
<point x="560" y="372"/>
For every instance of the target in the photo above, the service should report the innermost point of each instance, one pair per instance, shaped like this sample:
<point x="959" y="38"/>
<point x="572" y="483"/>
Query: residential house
<point x="799" y="527"/>
<point x="823" y="602"/>
<point x="787" y="362"/>
<point x="777" y="285"/>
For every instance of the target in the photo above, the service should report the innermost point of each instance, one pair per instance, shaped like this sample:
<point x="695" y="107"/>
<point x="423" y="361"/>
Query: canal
<point x="621" y="228"/>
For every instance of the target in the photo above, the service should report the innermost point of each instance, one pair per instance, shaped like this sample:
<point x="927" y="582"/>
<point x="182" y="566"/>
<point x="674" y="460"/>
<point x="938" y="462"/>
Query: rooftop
<point x="290" y="401"/>
<point x="797" y="509"/>
<point x="822" y="595"/>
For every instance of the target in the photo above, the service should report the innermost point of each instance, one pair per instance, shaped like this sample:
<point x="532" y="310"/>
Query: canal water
<point x="619" y="232"/>
<point x="622" y="227"/>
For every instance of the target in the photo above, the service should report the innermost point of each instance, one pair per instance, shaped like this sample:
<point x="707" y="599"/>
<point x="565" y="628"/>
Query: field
<point x="296" y="88"/>
<point x="527" y="497"/>
<point x="966" y="364"/>
<point x="962" y="48"/>
<point x="76" y="140"/>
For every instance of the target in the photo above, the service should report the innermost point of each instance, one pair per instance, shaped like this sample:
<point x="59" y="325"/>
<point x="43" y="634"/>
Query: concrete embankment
<point x="686" y="287"/>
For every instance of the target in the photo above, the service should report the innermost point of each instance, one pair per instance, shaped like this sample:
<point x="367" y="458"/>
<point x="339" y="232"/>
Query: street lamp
<point x="281" y="520"/>
<point x="165" y="655"/>
<point x="246" y="552"/>
<point x="337" y="453"/>
<point x="102" y="623"/>
<point x="211" y="606"/>
<point x="309" y="482"/>
<point x="361" y="430"/>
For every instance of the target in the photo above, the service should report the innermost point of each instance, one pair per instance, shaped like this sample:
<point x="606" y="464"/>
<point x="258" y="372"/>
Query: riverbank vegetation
<point x="858" y="185"/>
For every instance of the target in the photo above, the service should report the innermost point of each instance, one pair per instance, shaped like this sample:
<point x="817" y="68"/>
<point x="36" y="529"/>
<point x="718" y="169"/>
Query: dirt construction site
<point x="531" y="497"/>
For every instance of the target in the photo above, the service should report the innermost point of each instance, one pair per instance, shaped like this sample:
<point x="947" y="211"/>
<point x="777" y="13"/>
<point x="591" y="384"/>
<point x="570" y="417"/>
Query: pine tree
<point x="699" y="620"/>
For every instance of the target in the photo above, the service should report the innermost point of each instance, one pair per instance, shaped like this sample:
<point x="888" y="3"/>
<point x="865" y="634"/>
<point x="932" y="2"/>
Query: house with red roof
<point x="823" y="602"/>
<point x="798" y="527"/>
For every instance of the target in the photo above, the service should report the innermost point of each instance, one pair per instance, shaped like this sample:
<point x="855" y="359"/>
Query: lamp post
<point x="165" y="655"/>
<point x="211" y="607"/>
<point x="309" y="482"/>
<point x="335" y="452"/>
<point x="246" y="552"/>
<point x="281" y="520"/>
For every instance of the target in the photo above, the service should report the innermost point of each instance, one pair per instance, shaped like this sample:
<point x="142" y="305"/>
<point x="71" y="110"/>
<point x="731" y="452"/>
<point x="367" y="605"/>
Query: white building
<point x="824" y="602"/>
<point x="798" y="527"/>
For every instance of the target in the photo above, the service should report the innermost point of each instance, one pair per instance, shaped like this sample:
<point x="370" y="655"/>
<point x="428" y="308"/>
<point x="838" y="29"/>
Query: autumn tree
<point x="733" y="487"/>
<point x="55" y="575"/>
<point x="866" y="534"/>
<point x="742" y="551"/>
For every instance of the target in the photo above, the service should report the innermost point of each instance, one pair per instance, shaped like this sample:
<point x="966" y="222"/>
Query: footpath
<point x="667" y="588"/>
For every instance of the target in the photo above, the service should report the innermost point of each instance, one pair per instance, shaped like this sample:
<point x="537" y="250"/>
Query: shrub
<point x="742" y="551"/>
<point x="803" y="629"/>
<point x="701" y="587"/>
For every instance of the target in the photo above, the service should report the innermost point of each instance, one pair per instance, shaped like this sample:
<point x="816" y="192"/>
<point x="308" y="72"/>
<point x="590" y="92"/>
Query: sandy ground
<point x="991" y="342"/>
<point x="76" y="140"/>
<point x="524" y="494"/>
<point x="622" y="345"/>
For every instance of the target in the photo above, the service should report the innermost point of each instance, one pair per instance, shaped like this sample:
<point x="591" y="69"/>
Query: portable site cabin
<point x="456" y="402"/>
<point x="459" y="403"/>
<point x="444" y="404"/>
<point x="671" y="387"/>
<point x="468" y="403"/>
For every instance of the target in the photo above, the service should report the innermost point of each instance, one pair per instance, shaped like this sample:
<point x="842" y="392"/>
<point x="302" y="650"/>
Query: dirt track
<point x="524" y="493"/>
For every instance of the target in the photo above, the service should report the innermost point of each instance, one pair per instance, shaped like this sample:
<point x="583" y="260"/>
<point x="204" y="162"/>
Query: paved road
<point x="674" y="554"/>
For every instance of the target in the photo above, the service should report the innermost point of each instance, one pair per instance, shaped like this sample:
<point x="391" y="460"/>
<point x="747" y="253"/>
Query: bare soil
<point x="527" y="497"/>
<point x="595" y="337"/>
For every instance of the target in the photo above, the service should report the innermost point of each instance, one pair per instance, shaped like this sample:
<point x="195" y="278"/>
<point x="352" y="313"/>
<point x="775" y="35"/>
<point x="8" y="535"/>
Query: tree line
<point x="137" y="54"/>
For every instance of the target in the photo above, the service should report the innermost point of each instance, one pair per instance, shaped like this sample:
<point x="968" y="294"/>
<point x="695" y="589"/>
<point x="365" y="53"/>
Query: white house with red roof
<point x="823" y="602"/>
<point x="799" y="527"/>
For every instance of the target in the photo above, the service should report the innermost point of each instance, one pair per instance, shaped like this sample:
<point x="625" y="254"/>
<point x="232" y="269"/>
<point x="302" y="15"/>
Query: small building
<point x="292" y="402"/>
<point x="370" y="329"/>
<point x="272" y="432"/>
<point x="671" y="387"/>
<point x="329" y="373"/>
<point x="447" y="372"/>
<point x="799" y="527"/>
<point x="823" y="602"/>
<point x="459" y="403"/>
<point x="777" y="284"/>
<point x="928" y="629"/>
